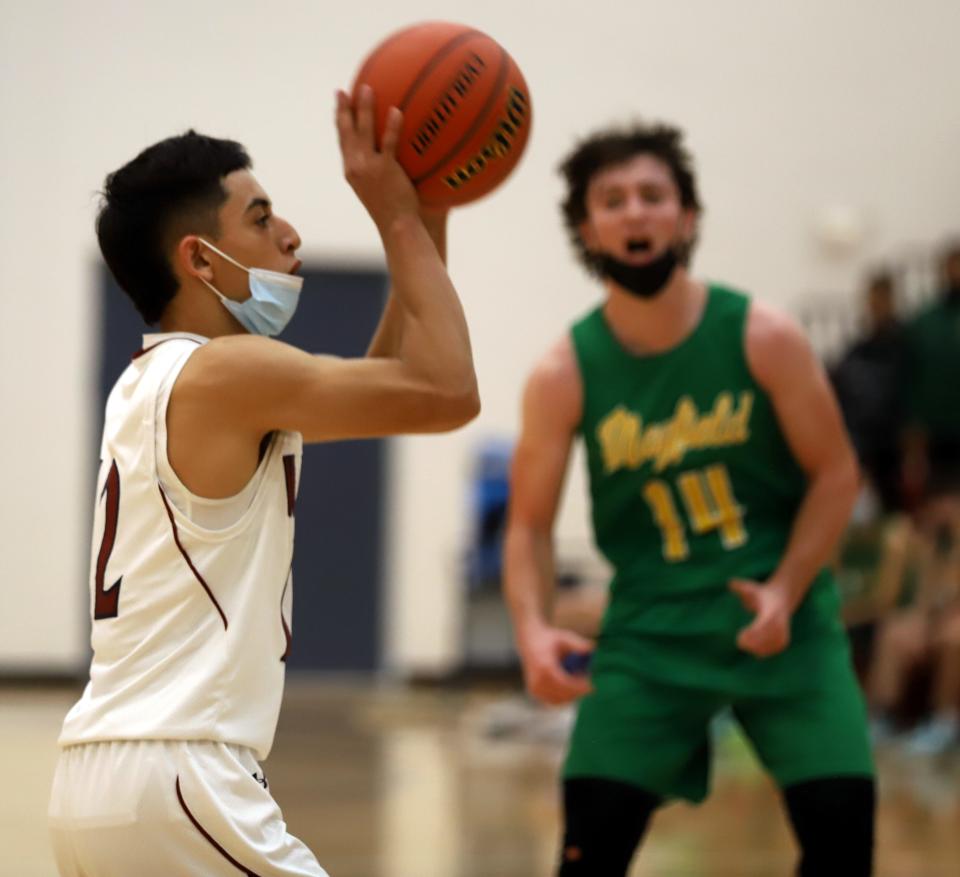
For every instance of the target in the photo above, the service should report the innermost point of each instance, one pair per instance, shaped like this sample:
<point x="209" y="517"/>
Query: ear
<point x="688" y="224"/>
<point x="588" y="235"/>
<point x="192" y="259"/>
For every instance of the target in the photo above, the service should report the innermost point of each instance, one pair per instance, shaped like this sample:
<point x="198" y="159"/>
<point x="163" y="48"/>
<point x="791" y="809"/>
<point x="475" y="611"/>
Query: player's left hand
<point x="769" y="632"/>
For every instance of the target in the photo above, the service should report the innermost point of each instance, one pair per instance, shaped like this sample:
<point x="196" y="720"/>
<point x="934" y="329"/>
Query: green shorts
<point x="803" y="711"/>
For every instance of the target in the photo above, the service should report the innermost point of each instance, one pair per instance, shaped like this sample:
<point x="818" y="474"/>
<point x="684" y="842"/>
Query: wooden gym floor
<point x="392" y="782"/>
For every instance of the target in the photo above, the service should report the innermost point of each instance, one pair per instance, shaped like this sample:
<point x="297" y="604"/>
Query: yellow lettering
<point x="710" y="505"/>
<point x="657" y="495"/>
<point x="617" y="434"/>
<point x="627" y="444"/>
<point x="740" y="421"/>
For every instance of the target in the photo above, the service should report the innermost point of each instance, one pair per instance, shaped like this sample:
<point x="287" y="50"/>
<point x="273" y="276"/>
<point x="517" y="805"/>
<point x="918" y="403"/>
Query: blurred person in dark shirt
<point x="869" y="381"/>
<point x="932" y="440"/>
<point x="929" y="631"/>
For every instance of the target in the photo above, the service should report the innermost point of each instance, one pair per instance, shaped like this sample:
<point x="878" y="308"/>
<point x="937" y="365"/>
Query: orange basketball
<point x="466" y="108"/>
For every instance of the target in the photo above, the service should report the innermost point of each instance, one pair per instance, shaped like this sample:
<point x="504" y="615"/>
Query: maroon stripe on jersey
<point x="106" y="601"/>
<point x="144" y="350"/>
<point x="186" y="557"/>
<point x="290" y="470"/>
<point x="209" y="839"/>
<point x="283" y="621"/>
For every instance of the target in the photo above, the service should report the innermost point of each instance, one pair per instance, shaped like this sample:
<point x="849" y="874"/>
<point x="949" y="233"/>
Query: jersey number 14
<point x="710" y="505"/>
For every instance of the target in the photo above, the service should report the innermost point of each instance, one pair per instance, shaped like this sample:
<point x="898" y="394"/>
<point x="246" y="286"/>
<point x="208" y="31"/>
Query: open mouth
<point x="640" y="247"/>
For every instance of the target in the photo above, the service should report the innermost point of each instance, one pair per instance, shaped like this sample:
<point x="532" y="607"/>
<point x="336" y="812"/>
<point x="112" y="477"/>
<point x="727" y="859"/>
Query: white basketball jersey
<point x="191" y="625"/>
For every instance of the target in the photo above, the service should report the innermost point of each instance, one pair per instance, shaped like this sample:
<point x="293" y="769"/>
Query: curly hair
<point x="613" y="146"/>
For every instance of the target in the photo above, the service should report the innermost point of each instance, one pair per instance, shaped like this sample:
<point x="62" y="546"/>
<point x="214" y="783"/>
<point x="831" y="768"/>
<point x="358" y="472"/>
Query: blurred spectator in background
<point x="868" y="380"/>
<point x="931" y="470"/>
<point x="872" y="559"/>
<point x="876" y="571"/>
<point x="926" y="633"/>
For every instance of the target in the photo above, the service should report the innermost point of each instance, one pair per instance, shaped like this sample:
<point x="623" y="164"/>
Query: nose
<point x="289" y="239"/>
<point x="636" y="207"/>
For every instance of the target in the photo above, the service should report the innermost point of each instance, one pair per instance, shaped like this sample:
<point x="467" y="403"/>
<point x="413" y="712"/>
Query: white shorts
<point x="169" y="807"/>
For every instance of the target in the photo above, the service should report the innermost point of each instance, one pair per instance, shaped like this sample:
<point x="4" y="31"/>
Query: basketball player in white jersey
<point x="193" y="538"/>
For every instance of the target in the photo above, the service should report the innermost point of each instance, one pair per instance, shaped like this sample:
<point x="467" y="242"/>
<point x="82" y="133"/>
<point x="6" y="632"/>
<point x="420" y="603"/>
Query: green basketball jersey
<point x="934" y="357"/>
<point x="692" y="482"/>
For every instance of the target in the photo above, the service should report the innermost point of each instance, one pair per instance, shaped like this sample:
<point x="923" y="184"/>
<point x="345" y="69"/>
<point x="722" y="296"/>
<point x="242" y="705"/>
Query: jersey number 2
<point x="710" y="505"/>
<point x="106" y="602"/>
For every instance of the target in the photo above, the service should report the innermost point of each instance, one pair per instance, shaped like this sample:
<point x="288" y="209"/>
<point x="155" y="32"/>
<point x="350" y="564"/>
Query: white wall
<point x="791" y="107"/>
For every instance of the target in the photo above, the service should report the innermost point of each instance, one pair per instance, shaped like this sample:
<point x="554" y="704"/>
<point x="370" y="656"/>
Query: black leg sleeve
<point x="605" y="821"/>
<point x="833" y="819"/>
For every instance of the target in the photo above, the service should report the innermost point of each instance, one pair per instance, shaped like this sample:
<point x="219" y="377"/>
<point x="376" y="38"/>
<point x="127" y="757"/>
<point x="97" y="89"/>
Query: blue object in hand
<point x="577" y="663"/>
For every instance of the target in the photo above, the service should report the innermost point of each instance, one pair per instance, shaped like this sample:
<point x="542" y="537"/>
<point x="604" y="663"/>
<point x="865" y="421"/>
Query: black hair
<point x="949" y="254"/>
<point x="172" y="188"/>
<point x="881" y="279"/>
<point x="613" y="146"/>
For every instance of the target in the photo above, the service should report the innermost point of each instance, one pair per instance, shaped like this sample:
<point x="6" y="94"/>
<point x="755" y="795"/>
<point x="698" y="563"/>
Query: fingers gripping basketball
<point x="466" y="108"/>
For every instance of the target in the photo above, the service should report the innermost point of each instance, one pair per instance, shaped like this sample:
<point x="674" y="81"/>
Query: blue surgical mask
<point x="273" y="298"/>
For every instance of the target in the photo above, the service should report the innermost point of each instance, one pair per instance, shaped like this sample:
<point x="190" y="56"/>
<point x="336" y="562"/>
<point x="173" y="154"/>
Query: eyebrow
<point x="605" y="189"/>
<point x="258" y="202"/>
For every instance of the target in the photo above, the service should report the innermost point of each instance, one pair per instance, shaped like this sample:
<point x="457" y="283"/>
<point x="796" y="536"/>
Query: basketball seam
<point x="481" y="117"/>
<point x="431" y="65"/>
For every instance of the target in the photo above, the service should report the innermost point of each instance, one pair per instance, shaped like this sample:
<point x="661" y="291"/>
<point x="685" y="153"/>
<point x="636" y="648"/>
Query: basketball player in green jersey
<point x="721" y="480"/>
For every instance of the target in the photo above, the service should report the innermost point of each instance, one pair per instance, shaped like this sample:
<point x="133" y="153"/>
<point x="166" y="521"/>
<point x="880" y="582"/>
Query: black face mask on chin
<point x="643" y="281"/>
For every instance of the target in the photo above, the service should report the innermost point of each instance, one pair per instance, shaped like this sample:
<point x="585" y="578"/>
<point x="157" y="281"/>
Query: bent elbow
<point x="456" y="410"/>
<point x="470" y="405"/>
<point x="847" y="481"/>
